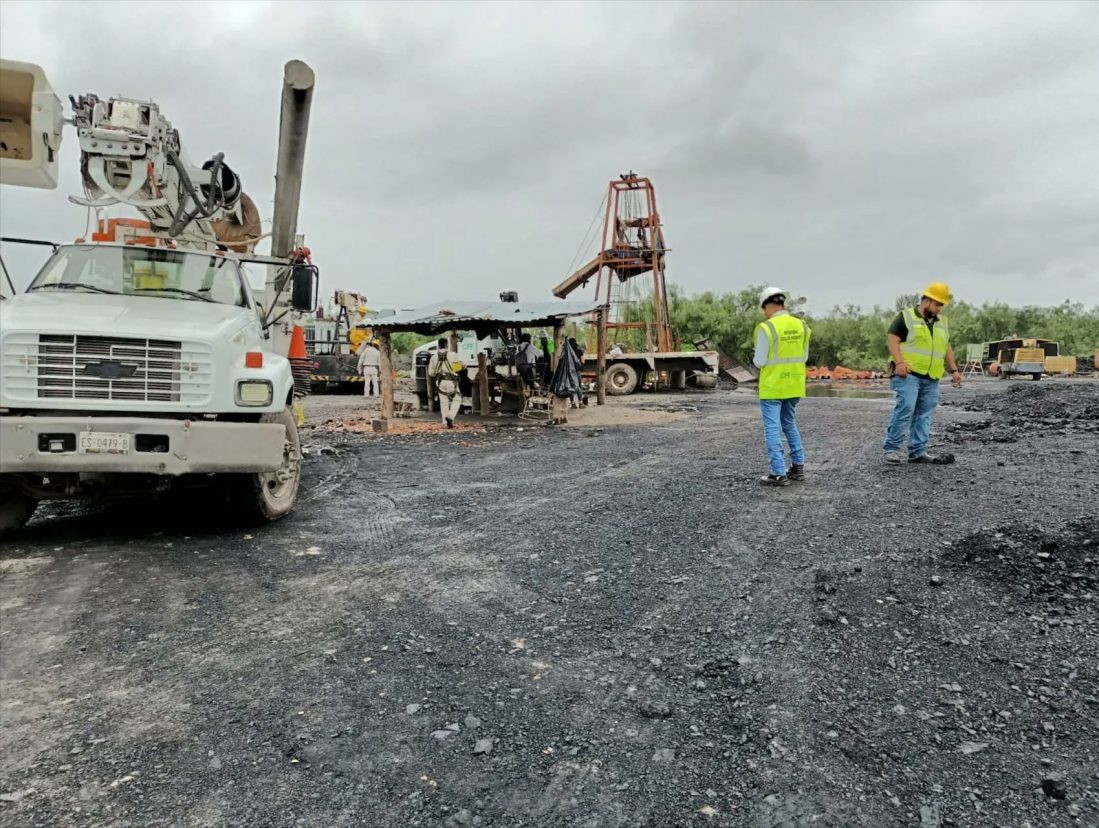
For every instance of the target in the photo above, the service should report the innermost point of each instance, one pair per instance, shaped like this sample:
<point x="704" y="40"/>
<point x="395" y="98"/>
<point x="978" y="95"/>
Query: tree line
<point x="850" y="335"/>
<point x="854" y="337"/>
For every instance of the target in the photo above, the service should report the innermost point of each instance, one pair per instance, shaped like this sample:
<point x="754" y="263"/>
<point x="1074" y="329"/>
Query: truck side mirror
<point x="303" y="288"/>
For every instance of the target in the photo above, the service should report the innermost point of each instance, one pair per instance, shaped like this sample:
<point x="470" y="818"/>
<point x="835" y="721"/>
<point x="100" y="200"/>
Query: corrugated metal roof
<point x="450" y="315"/>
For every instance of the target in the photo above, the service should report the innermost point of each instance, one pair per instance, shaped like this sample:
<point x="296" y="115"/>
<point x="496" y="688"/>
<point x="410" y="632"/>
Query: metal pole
<point x="601" y="358"/>
<point x="297" y="98"/>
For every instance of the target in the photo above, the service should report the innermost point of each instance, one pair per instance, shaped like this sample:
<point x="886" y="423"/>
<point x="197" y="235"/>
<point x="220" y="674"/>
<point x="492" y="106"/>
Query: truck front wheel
<point x="16" y="509"/>
<point x="621" y="379"/>
<point x="271" y="495"/>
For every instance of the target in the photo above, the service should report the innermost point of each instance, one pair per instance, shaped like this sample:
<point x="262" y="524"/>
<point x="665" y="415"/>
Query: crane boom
<point x="130" y="154"/>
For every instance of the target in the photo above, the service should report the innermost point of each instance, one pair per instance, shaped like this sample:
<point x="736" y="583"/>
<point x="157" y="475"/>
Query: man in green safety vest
<point x="919" y="344"/>
<point x="781" y="351"/>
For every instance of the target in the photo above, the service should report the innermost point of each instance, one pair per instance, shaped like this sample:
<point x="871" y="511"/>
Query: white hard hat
<point x="769" y="292"/>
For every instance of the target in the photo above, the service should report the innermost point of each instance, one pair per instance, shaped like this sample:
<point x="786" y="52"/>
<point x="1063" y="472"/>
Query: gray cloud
<point x="851" y="150"/>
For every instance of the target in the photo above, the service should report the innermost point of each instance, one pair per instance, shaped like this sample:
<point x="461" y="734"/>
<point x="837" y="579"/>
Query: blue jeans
<point x="914" y="400"/>
<point x="778" y="419"/>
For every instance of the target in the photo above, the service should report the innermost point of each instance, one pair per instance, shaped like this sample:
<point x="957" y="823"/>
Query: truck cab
<point x="142" y="360"/>
<point x="122" y="361"/>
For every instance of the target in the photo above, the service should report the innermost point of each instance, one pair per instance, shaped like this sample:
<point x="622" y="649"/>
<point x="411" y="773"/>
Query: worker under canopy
<point x="483" y="318"/>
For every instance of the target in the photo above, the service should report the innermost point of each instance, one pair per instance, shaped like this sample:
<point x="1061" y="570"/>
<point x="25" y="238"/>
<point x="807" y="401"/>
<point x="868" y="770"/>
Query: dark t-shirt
<point x="899" y="328"/>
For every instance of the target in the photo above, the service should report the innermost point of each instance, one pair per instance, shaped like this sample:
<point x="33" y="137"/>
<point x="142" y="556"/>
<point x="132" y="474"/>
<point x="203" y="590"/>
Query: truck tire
<point x="16" y="509"/>
<point x="271" y="495"/>
<point x="621" y="379"/>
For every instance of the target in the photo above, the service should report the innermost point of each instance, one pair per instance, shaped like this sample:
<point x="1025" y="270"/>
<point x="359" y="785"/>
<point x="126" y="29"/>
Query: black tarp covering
<point x="566" y="377"/>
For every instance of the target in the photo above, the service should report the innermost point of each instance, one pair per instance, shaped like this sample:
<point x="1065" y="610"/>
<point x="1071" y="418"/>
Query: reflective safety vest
<point x="924" y="349"/>
<point x="782" y="376"/>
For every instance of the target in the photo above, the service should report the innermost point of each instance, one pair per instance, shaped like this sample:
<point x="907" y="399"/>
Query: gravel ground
<point x="605" y="626"/>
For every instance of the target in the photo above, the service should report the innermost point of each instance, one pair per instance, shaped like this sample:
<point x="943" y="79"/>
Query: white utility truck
<point x="141" y="358"/>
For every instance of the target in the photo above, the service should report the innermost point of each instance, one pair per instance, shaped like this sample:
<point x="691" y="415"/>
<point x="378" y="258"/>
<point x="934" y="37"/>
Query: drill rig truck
<point x="142" y="357"/>
<point x="333" y="344"/>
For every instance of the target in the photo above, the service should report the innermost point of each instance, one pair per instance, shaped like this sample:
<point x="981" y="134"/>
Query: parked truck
<point x="142" y="357"/>
<point x="332" y="343"/>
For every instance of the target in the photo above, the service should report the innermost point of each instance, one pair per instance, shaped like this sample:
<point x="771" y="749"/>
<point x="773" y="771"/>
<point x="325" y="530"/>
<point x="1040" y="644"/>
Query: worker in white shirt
<point x="526" y="357"/>
<point x="370" y="361"/>
<point x="444" y="367"/>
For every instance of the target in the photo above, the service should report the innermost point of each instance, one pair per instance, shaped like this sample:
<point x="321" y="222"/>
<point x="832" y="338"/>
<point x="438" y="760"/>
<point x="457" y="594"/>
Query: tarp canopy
<point x="482" y="317"/>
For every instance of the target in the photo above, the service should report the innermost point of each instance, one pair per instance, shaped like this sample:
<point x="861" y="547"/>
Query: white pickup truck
<point x="125" y="367"/>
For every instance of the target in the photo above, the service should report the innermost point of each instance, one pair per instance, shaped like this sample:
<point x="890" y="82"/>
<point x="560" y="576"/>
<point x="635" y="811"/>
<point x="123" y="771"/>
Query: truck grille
<point x="120" y="369"/>
<point x="108" y="368"/>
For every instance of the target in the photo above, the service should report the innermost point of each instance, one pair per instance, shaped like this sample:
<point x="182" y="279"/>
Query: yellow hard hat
<point x="939" y="291"/>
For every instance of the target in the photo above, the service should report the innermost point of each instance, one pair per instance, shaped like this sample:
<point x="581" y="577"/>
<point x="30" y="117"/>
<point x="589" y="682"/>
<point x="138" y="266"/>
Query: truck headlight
<point x="255" y="392"/>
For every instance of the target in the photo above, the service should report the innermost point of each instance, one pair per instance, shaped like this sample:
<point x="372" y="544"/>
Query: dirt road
<point x="593" y="626"/>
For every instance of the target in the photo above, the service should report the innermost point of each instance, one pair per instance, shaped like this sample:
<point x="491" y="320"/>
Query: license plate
<point x="103" y="442"/>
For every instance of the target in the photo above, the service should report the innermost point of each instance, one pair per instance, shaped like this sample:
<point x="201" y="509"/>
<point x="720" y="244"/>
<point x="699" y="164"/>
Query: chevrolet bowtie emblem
<point x="110" y="369"/>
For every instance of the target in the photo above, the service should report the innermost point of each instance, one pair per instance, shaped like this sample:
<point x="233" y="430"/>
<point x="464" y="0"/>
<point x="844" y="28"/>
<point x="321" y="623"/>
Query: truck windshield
<point x="143" y="271"/>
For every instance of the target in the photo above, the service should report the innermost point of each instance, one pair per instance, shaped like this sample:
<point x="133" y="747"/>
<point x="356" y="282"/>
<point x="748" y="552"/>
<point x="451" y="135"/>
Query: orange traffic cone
<point x="299" y="362"/>
<point x="297" y="343"/>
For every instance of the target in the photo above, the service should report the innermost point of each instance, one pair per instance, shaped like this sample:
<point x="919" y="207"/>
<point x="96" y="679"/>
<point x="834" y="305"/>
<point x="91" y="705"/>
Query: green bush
<point x="404" y="343"/>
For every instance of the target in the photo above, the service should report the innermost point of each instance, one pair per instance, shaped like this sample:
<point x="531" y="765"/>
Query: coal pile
<point x="962" y="675"/>
<point x="1031" y="409"/>
<point x="1057" y="567"/>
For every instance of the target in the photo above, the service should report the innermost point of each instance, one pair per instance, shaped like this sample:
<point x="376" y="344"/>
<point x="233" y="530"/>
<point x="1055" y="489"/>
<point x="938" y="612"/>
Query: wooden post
<point x="601" y="357"/>
<point x="386" y="371"/>
<point x="482" y="383"/>
<point x="559" y="406"/>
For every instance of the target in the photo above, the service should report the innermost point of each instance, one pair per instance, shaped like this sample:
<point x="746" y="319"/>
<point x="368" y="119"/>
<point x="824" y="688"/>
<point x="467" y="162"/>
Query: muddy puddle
<point x="849" y="392"/>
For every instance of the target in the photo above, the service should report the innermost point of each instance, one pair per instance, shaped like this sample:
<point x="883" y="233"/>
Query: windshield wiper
<point x="75" y="286"/>
<point x="176" y="290"/>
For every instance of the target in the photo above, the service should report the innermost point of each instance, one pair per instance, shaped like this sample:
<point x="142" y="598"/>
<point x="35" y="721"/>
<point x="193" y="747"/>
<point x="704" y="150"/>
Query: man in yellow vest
<point x="919" y="344"/>
<point x="781" y="350"/>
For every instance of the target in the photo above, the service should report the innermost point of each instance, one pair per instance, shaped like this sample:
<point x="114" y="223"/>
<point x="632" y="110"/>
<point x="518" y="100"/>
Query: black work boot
<point x="796" y="472"/>
<point x="449" y="423"/>
<point x="774" y="480"/>
<point x="936" y="459"/>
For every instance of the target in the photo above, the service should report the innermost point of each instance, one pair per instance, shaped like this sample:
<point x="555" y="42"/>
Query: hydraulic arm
<point x="130" y="154"/>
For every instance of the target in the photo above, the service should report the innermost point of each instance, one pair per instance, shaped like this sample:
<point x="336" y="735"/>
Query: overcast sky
<point x="850" y="151"/>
